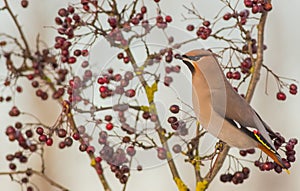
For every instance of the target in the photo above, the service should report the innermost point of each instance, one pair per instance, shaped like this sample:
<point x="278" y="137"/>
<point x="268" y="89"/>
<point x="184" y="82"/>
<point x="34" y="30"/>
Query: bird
<point x="222" y="111"/>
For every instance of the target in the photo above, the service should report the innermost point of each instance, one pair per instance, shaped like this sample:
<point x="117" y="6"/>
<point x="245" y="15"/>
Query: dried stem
<point x="160" y="130"/>
<point x="38" y="173"/>
<point x="259" y="59"/>
<point x="27" y="52"/>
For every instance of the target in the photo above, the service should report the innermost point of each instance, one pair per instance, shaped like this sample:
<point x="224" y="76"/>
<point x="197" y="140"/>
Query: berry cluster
<point x="241" y="16"/>
<point x="236" y="178"/>
<point x="22" y="136"/>
<point x="121" y="172"/>
<point x="204" y="31"/>
<point x="292" y="90"/>
<point x="119" y="84"/>
<point x="248" y="151"/>
<point x="169" y="69"/>
<point x="253" y="42"/>
<point x="116" y="24"/>
<point x="178" y="125"/>
<point x="258" y="6"/>
<point x="68" y="21"/>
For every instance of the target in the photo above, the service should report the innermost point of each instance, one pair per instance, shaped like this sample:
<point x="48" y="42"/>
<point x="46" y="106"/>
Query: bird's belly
<point x="225" y="131"/>
<point x="234" y="137"/>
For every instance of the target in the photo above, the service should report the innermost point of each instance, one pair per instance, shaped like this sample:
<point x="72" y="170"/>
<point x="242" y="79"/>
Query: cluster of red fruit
<point x="241" y="16"/>
<point x="121" y="172"/>
<point x="27" y="140"/>
<point x="245" y="48"/>
<point x="203" y="31"/>
<point x="178" y="125"/>
<point x="19" y="155"/>
<point x="258" y="6"/>
<point x="292" y="89"/>
<point x="236" y="178"/>
<point x="122" y="81"/>
<point x="68" y="21"/>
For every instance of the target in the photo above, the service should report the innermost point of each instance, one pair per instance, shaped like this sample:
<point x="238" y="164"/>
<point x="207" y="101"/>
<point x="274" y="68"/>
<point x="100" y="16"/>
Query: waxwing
<point x="222" y="111"/>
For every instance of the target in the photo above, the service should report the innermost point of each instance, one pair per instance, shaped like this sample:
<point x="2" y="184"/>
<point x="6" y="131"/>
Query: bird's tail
<point x="274" y="155"/>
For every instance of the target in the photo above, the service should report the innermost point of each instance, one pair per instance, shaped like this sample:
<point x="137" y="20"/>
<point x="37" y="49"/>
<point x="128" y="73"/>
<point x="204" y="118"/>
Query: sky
<point x="282" y="38"/>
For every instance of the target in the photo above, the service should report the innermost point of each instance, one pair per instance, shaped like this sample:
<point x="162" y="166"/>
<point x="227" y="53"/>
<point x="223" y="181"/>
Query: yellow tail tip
<point x="287" y="171"/>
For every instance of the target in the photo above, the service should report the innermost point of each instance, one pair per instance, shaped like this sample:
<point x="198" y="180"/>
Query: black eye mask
<point x="194" y="58"/>
<point x="189" y="65"/>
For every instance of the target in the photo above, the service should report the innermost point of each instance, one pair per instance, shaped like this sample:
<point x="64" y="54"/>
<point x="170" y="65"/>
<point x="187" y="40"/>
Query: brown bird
<point x="222" y="111"/>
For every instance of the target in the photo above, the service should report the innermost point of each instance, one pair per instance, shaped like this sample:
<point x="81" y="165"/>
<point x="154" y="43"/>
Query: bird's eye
<point x="194" y="58"/>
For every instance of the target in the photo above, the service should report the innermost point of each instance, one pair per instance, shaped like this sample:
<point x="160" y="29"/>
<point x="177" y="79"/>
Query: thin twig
<point x="27" y="52"/>
<point x="38" y="173"/>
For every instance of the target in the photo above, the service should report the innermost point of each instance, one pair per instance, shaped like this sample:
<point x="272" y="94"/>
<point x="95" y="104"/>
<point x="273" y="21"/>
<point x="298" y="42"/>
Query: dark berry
<point x="174" y="108"/>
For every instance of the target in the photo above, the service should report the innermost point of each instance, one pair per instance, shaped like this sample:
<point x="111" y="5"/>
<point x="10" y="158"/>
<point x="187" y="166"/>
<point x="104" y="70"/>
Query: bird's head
<point x="193" y="58"/>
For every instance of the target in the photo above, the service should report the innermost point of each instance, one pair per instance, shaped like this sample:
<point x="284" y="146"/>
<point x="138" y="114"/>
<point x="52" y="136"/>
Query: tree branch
<point x="38" y="173"/>
<point x="27" y="52"/>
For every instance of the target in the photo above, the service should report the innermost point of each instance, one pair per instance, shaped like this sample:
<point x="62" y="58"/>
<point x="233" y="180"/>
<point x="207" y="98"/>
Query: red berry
<point x="243" y="153"/>
<point x="77" y="52"/>
<point x="130" y="93"/>
<point x="255" y="9"/>
<point x="109" y="126"/>
<point x="120" y="55"/>
<point x="130" y="151"/>
<point x="61" y="133"/>
<point x="159" y="19"/>
<point x="248" y="3"/>
<point x="267" y="6"/>
<point x="71" y="60"/>
<point x="39" y="130"/>
<point x="62" y="12"/>
<point x="293" y="87"/>
<point x="236" y="75"/>
<point x="281" y="96"/>
<point x="168" y="19"/>
<point x="229" y="75"/>
<point x="126" y="59"/>
<point x="85" y="52"/>
<point x="49" y="141"/>
<point x="206" y="23"/>
<point x="108" y="118"/>
<point x="103" y="89"/>
<point x="190" y="27"/>
<point x="174" y="108"/>
<point x="293" y="92"/>
<point x="227" y="16"/>
<point x="24" y="3"/>
<point x="112" y="22"/>
<point x="98" y="159"/>
<point x="135" y="21"/>
<point x="42" y="138"/>
<point x="146" y="115"/>
<point x="76" y="136"/>
<point x="143" y="9"/>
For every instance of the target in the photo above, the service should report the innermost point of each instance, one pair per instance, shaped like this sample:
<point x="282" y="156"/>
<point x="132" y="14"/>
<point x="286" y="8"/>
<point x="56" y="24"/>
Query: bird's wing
<point x="238" y="109"/>
<point x="242" y="113"/>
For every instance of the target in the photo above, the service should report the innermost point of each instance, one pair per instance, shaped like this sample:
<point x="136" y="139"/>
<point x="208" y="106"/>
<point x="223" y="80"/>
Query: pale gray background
<point x="282" y="56"/>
